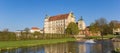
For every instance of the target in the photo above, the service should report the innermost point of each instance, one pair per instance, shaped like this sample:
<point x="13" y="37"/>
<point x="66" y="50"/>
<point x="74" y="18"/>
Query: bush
<point x="7" y="36"/>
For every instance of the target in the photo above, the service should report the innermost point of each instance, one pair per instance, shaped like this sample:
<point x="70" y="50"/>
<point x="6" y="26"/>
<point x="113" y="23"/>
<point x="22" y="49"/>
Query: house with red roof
<point x="35" y="29"/>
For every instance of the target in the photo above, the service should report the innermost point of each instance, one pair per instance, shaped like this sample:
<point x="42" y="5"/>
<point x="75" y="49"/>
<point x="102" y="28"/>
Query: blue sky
<point x="19" y="14"/>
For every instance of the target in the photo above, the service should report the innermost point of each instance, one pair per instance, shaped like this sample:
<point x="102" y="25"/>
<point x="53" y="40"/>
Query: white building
<point x="35" y="29"/>
<point x="81" y="24"/>
<point x="58" y="23"/>
<point x="116" y="31"/>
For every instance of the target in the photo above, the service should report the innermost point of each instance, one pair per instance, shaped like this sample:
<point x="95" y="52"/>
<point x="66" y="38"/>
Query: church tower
<point x="81" y="24"/>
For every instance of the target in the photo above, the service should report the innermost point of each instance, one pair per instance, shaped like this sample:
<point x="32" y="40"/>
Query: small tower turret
<point x="46" y="18"/>
<point x="81" y="24"/>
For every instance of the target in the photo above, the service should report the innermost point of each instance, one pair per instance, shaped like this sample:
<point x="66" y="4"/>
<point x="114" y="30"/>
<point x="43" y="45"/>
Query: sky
<point x="19" y="14"/>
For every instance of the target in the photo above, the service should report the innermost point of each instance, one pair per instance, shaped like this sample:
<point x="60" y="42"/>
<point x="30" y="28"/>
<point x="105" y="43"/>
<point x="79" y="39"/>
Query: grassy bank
<point x="99" y="37"/>
<point x="15" y="44"/>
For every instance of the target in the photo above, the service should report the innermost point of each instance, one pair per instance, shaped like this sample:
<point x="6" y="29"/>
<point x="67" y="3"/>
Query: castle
<point x="57" y="24"/>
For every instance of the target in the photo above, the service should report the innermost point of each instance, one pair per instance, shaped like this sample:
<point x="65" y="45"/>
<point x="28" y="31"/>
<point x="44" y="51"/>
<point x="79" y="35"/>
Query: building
<point x="84" y="30"/>
<point x="58" y="24"/>
<point x="116" y="31"/>
<point x="5" y="30"/>
<point x="116" y="28"/>
<point x="35" y="29"/>
<point x="81" y="24"/>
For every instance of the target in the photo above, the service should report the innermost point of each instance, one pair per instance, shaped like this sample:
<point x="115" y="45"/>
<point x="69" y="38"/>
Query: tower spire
<point x="46" y="16"/>
<point x="80" y="18"/>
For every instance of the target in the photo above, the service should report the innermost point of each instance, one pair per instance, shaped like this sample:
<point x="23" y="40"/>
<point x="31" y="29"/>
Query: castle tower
<point x="81" y="24"/>
<point x="46" y="24"/>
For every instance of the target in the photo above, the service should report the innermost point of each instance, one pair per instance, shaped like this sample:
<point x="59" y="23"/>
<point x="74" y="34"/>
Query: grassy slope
<point x="14" y="44"/>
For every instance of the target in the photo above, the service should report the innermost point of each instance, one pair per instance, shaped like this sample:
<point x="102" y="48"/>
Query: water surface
<point x="69" y="47"/>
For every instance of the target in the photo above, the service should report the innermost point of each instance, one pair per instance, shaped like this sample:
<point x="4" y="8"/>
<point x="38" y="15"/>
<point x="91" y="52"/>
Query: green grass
<point x="15" y="44"/>
<point x="99" y="37"/>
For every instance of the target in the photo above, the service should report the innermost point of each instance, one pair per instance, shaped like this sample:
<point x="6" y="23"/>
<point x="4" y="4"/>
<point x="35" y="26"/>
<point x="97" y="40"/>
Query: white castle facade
<point x="57" y="24"/>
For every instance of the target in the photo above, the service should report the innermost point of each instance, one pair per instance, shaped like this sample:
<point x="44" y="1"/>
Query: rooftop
<point x="58" y="17"/>
<point x="35" y="28"/>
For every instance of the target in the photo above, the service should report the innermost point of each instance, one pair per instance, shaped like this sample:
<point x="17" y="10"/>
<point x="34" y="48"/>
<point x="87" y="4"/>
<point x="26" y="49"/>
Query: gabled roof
<point x="58" y="17"/>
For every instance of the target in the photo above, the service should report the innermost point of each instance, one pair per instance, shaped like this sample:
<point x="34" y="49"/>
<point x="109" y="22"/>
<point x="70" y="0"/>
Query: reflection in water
<point x="116" y="44"/>
<point x="89" y="48"/>
<point x="81" y="48"/>
<point x="71" y="47"/>
<point x="25" y="50"/>
<point x="57" y="48"/>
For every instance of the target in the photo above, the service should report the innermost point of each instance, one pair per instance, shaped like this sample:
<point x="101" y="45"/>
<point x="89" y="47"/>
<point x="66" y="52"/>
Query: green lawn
<point x="14" y="44"/>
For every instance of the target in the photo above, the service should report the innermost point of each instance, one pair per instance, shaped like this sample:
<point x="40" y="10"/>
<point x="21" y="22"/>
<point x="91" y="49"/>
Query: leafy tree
<point x="7" y="36"/>
<point x="26" y="29"/>
<point x="114" y="24"/>
<point x="72" y="29"/>
<point x="94" y="27"/>
<point x="37" y="34"/>
<point x="100" y="25"/>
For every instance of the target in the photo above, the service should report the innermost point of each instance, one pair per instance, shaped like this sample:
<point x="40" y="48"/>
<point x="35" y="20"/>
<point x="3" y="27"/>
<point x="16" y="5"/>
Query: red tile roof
<point x="35" y="28"/>
<point x="58" y="17"/>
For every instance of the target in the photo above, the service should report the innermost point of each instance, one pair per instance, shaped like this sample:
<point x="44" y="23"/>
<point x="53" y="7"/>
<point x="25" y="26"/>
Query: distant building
<point x="116" y="31"/>
<point x="35" y="29"/>
<point x="19" y="32"/>
<point x="58" y="23"/>
<point x="5" y="30"/>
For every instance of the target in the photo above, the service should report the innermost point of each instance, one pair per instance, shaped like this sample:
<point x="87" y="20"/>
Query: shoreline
<point x="23" y="43"/>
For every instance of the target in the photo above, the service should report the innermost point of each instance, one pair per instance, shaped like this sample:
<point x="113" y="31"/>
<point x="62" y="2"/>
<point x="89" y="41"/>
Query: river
<point x="69" y="47"/>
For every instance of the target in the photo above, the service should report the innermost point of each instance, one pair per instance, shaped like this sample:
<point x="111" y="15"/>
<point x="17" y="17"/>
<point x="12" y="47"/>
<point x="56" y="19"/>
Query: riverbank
<point x="22" y="43"/>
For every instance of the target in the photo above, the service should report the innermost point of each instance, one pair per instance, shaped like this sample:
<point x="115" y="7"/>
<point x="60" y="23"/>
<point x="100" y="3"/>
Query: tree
<point x="26" y="31"/>
<point x="72" y="29"/>
<point x="37" y="34"/>
<point x="7" y="36"/>
<point x="114" y="24"/>
<point x="100" y="25"/>
<point x="94" y="27"/>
